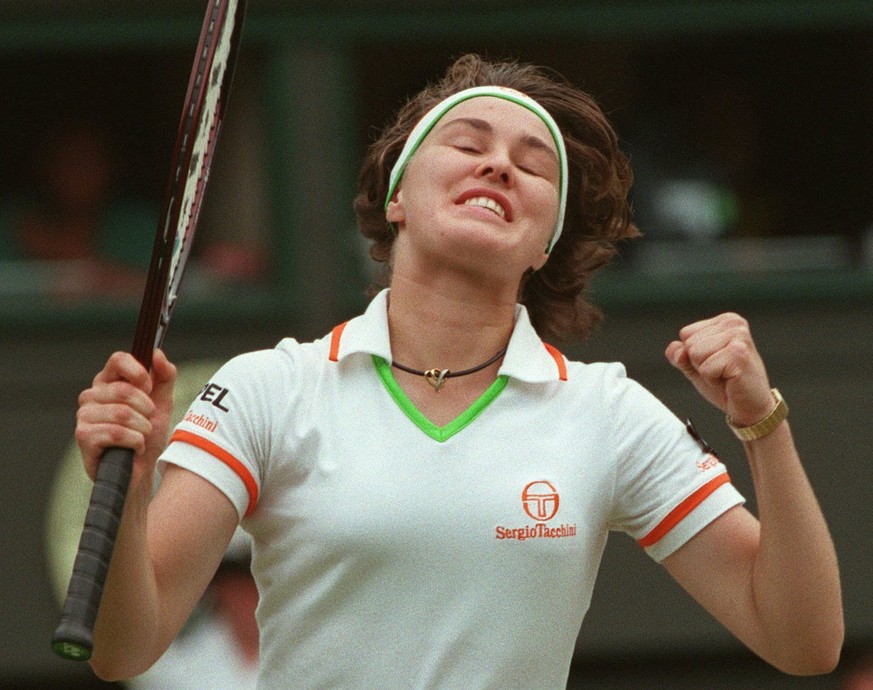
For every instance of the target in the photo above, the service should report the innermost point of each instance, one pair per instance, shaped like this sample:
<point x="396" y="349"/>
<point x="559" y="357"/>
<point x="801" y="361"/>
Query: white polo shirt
<point x="391" y="553"/>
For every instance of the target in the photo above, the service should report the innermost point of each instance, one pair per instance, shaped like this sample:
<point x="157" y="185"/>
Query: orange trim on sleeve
<point x="219" y="453"/>
<point x="335" y="337"/>
<point x="559" y="360"/>
<point x="675" y="516"/>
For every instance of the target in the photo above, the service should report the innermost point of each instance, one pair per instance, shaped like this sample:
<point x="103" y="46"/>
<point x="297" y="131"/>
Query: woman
<point x="429" y="487"/>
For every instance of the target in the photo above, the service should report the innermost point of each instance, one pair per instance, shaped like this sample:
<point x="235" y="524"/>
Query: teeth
<point x="486" y="202"/>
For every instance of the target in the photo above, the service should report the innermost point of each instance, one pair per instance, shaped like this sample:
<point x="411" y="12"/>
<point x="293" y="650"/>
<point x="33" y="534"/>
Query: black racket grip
<point x="74" y="637"/>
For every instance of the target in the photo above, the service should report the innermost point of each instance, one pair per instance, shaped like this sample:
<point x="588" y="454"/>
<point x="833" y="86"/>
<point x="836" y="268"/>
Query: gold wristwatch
<point x="766" y="425"/>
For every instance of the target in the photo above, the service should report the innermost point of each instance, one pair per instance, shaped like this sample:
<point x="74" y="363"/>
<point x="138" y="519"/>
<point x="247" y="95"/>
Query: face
<point x="482" y="185"/>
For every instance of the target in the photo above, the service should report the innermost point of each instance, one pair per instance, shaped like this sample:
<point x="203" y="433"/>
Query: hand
<point x="719" y="357"/>
<point x="127" y="407"/>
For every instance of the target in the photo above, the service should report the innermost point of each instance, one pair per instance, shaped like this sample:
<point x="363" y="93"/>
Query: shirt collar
<point x="527" y="357"/>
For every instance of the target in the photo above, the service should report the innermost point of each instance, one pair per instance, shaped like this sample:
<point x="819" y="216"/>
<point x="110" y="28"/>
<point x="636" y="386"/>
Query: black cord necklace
<point x="436" y="377"/>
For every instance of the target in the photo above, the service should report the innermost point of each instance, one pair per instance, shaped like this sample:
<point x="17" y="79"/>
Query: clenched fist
<point x="127" y="407"/>
<point x="719" y="357"/>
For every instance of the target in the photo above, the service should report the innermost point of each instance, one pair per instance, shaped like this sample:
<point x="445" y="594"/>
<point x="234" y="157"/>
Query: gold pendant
<point x="436" y="377"/>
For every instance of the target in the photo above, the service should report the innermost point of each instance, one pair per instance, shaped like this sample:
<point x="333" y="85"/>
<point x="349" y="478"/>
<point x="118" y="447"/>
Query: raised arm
<point x="168" y="547"/>
<point x="772" y="581"/>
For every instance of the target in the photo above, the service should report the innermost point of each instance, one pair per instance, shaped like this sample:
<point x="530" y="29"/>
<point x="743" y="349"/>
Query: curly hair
<point x="598" y="213"/>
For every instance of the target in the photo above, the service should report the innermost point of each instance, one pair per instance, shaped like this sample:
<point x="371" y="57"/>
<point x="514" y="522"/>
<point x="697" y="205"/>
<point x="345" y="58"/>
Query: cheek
<point x="547" y="202"/>
<point x="426" y="181"/>
<point x="436" y="170"/>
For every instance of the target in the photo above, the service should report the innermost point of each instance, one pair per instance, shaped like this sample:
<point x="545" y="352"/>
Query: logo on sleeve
<point x="540" y="500"/>
<point x="708" y="463"/>
<point x="201" y="420"/>
<point x="215" y="396"/>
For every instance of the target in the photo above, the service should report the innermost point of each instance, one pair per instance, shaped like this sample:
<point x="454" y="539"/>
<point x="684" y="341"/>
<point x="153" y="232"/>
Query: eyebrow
<point x="530" y="140"/>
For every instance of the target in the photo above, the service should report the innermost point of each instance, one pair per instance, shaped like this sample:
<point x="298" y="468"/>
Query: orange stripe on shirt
<point x="218" y="452"/>
<point x="335" y="337"/>
<point x="675" y="516"/>
<point x="559" y="360"/>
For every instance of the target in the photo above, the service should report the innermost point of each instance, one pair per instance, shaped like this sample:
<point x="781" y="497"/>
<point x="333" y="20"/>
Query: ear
<point x="396" y="211"/>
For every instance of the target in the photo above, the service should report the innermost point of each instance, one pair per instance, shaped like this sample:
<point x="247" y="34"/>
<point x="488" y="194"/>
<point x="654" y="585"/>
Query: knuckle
<point x="123" y="415"/>
<point x="118" y="357"/>
<point x="127" y="394"/>
<point x="118" y="435"/>
<point x="739" y="349"/>
<point x="122" y="392"/>
<point x="128" y="417"/>
<point x="113" y="366"/>
<point x="124" y="366"/>
<point x="737" y="321"/>
<point x="691" y="351"/>
<point x="695" y="351"/>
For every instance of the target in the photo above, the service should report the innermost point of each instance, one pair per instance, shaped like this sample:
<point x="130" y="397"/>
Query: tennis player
<point x="430" y="486"/>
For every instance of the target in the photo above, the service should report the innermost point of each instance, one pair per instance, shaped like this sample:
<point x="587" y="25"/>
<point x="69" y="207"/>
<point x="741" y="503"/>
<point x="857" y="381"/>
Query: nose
<point x="497" y="167"/>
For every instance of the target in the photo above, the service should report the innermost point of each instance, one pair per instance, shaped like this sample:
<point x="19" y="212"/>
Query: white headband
<point x="421" y="130"/>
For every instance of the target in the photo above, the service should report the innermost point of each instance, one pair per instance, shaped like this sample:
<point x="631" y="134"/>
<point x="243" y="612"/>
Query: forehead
<point x="501" y="116"/>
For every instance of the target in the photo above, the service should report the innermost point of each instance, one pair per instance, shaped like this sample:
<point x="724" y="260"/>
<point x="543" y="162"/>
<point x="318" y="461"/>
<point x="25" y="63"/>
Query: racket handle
<point x="74" y="637"/>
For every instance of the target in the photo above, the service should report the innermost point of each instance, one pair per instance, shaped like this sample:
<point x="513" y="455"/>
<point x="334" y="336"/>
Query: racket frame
<point x="74" y="637"/>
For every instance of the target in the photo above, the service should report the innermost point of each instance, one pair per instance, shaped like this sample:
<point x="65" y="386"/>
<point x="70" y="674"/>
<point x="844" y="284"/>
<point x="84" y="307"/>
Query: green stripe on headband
<point x="426" y="124"/>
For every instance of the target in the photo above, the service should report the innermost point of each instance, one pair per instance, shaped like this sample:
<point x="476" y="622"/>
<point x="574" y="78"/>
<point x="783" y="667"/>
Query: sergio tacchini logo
<point x="540" y="501"/>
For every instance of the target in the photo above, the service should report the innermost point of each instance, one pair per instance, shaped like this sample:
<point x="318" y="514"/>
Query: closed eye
<point x="535" y="163"/>
<point x="535" y="171"/>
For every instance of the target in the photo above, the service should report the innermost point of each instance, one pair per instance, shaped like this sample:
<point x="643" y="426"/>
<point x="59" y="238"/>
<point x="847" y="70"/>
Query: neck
<point x="442" y="324"/>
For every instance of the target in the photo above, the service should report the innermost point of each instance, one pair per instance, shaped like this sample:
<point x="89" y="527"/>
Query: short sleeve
<point x="224" y="435"/>
<point x="668" y="486"/>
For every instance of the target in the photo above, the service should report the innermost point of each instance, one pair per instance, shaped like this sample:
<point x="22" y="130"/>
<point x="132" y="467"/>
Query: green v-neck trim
<point x="438" y="433"/>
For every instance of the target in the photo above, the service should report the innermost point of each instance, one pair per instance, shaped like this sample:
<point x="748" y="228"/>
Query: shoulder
<point x="621" y="401"/>
<point x="611" y="378"/>
<point x="607" y="378"/>
<point x="596" y="370"/>
<point x="287" y="356"/>
<point x="289" y="364"/>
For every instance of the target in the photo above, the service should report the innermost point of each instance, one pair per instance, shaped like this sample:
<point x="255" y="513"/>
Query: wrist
<point x="765" y="425"/>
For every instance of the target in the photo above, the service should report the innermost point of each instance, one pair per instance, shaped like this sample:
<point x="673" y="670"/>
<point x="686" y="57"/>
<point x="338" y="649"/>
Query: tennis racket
<point x="202" y="113"/>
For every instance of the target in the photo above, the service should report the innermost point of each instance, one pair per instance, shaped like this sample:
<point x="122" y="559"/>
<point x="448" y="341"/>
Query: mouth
<point x="488" y="200"/>
<point x="485" y="202"/>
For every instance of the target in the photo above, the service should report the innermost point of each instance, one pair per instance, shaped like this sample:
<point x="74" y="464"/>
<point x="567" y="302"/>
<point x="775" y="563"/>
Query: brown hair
<point x="598" y="214"/>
